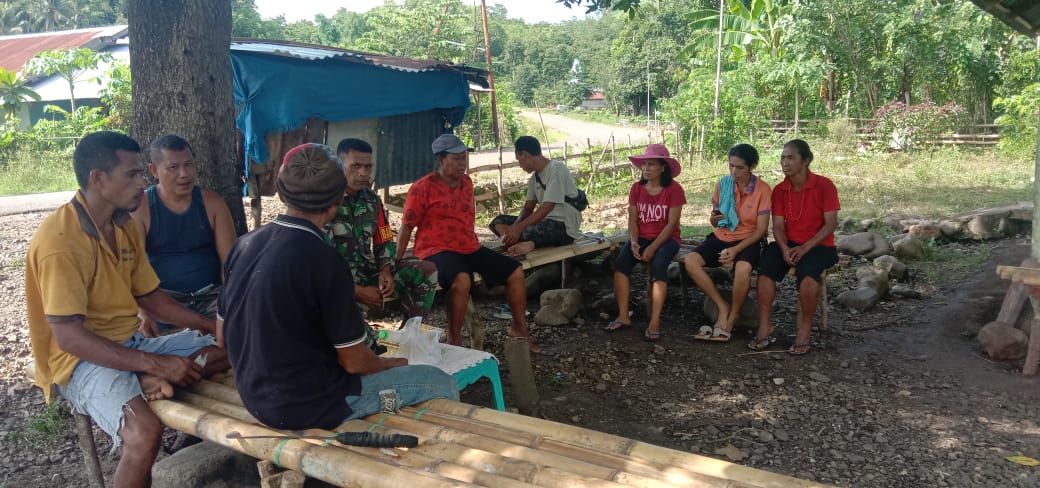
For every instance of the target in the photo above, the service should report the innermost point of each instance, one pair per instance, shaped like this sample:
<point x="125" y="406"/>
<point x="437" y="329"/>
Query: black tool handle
<point x="375" y="439"/>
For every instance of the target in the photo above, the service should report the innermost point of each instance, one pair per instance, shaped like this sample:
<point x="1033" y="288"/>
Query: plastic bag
<point x="419" y="346"/>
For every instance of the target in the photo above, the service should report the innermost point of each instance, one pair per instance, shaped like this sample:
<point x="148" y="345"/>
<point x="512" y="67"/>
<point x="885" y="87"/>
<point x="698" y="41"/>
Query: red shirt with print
<point x="653" y="209"/>
<point x="442" y="216"/>
<point x="803" y="210"/>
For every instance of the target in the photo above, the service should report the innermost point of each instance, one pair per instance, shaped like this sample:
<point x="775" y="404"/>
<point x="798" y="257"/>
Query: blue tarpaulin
<point x="276" y="93"/>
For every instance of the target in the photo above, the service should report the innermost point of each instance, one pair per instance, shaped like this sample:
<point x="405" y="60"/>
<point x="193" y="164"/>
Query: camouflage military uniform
<point x="361" y="233"/>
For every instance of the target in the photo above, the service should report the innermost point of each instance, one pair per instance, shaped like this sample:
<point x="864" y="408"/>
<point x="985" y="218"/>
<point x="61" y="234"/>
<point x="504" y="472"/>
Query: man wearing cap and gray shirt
<point x="289" y="319"/>
<point x="547" y="219"/>
<point x="440" y="209"/>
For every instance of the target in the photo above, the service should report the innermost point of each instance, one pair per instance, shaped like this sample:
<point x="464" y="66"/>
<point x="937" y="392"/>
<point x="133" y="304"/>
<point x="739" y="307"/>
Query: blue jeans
<point x="102" y="392"/>
<point x="413" y="383"/>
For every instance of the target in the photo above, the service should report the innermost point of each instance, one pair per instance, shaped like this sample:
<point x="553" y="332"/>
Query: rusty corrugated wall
<point x="403" y="149"/>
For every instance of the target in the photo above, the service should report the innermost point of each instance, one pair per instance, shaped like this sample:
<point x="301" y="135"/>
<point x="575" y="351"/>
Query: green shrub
<point x="741" y="111"/>
<point x="907" y="126"/>
<point x="1018" y="123"/>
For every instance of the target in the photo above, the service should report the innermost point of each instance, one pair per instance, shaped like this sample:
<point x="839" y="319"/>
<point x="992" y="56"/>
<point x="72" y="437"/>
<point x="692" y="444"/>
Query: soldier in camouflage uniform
<point x="362" y="235"/>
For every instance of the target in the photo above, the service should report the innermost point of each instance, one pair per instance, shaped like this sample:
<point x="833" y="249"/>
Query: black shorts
<point x="812" y="264"/>
<point x="493" y="267"/>
<point x="712" y="246"/>
<point x="547" y="233"/>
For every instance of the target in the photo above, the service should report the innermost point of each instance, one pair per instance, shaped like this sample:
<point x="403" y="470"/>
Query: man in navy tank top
<point x="188" y="231"/>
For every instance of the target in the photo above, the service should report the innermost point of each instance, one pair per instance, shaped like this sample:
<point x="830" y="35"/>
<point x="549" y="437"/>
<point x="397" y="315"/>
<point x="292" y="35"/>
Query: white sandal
<point x="704" y="333"/>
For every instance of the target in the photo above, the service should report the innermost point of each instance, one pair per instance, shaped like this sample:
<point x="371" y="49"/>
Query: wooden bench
<point x="1025" y="284"/>
<point x="822" y="305"/>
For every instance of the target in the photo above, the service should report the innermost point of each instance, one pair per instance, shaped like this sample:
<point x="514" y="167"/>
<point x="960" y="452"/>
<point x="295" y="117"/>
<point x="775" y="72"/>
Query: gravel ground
<point x="896" y="397"/>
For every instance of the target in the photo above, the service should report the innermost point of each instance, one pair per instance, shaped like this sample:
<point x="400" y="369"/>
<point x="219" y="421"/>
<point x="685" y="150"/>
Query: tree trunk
<point x="181" y="59"/>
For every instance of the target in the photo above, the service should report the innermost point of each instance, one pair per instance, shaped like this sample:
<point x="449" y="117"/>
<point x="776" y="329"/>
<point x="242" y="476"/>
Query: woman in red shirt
<point x="654" y="205"/>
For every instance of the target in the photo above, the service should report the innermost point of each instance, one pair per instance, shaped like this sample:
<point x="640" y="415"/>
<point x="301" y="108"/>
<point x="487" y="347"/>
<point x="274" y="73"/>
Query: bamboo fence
<point x="460" y="445"/>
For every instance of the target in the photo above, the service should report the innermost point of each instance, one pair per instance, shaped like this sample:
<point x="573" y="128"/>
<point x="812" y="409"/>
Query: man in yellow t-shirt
<point x="86" y="274"/>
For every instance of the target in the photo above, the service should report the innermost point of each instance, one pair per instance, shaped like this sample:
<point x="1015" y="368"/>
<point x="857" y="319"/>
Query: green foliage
<point x="481" y="135"/>
<point x="741" y="110"/>
<point x="44" y="428"/>
<point x="116" y="97"/>
<point x="1018" y="124"/>
<point x="27" y="169"/>
<point x="27" y="16"/>
<point x="13" y="91"/>
<point x="66" y="130"/>
<point x="69" y="64"/>
<point x="907" y="126"/>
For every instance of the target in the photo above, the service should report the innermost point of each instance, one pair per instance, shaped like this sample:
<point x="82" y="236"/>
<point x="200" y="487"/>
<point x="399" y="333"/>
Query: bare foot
<point x="521" y="248"/>
<point x="723" y="317"/>
<point x="154" y="387"/>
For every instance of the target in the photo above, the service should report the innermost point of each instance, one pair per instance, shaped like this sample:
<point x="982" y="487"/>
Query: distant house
<point x="16" y="50"/>
<point x="595" y="101"/>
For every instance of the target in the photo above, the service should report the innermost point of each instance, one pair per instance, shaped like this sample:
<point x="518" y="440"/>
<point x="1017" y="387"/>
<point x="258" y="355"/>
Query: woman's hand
<point x="648" y="253"/>
<point x="727" y="256"/>
<point x="635" y="251"/>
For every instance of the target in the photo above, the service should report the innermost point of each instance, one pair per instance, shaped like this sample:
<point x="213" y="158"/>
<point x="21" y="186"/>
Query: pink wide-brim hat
<point x="657" y="151"/>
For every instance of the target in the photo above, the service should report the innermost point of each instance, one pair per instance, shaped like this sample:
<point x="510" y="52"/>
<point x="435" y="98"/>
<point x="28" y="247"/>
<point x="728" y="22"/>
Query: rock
<point x="673" y="271"/>
<point x="1002" y="341"/>
<point x="720" y="276"/>
<point x="558" y="307"/>
<point x="895" y="223"/>
<point x="867" y="244"/>
<point x="989" y="225"/>
<point x="895" y="268"/>
<point x="542" y="279"/>
<point x="909" y="247"/>
<point x="873" y="278"/>
<point x="951" y="229"/>
<point x="205" y="465"/>
<point x="925" y="231"/>
<point x="859" y="299"/>
<point x="748" y="311"/>
<point x="817" y="376"/>
<point x="731" y="452"/>
<point x="778" y="381"/>
<point x="904" y="291"/>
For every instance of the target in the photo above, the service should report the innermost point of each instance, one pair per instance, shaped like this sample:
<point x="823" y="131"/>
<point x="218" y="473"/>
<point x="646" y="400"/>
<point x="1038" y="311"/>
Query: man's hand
<point x="512" y="236"/>
<point x="177" y="370"/>
<point x="386" y="282"/>
<point x="368" y="295"/>
<point x="149" y="327"/>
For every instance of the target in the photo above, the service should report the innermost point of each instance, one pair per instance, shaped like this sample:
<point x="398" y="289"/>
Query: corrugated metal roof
<point x="313" y="51"/>
<point x="1021" y="15"/>
<point x="16" y="50"/>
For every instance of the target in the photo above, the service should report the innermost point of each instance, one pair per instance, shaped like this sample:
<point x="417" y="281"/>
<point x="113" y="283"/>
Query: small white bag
<point x="419" y="346"/>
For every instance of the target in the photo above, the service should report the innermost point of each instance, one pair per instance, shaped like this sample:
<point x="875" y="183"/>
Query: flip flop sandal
<point x="804" y="349"/>
<point x="761" y="344"/>
<point x="616" y="326"/>
<point x="704" y="333"/>
<point x="652" y="335"/>
<point x="719" y="335"/>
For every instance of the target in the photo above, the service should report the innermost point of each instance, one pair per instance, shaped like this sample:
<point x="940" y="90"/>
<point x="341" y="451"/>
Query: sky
<point x="531" y="11"/>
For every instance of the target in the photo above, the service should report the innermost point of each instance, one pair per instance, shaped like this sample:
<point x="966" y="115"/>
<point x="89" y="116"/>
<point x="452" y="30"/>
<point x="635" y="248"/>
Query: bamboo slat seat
<point x="460" y="445"/>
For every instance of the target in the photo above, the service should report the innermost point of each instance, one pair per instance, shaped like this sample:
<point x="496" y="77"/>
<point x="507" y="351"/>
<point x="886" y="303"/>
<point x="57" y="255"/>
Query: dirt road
<point x="579" y="134"/>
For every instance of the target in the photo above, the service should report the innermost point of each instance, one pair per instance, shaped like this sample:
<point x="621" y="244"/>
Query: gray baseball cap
<point x="449" y="143"/>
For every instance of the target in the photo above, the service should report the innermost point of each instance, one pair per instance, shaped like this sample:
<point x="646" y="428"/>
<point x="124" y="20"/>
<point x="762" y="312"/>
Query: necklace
<point x="801" y="206"/>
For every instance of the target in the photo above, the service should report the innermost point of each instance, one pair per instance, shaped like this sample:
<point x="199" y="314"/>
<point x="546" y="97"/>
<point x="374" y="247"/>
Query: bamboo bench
<point x="460" y="445"/>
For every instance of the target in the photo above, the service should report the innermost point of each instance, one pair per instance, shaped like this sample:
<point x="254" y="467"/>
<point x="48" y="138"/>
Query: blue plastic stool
<point x="488" y="368"/>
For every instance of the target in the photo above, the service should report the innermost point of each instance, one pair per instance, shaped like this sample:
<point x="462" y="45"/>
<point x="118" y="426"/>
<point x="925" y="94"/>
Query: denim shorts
<point x="658" y="267"/>
<point x="102" y="392"/>
<point x="414" y="383"/>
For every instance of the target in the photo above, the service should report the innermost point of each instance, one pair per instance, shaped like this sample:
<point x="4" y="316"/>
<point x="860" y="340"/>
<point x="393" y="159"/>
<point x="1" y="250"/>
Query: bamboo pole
<point x="545" y="135"/>
<point x="341" y="467"/>
<point x="524" y="389"/>
<point x="613" y="159"/>
<point x="592" y="166"/>
<point x="636" y="450"/>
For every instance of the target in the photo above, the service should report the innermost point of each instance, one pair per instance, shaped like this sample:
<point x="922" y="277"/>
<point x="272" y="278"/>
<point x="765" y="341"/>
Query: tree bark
<point x="181" y="62"/>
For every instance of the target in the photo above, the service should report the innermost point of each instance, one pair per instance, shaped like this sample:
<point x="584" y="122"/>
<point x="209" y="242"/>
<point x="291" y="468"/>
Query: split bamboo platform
<point x="460" y="445"/>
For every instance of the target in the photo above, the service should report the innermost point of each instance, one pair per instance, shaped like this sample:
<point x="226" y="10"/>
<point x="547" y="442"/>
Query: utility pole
<point x="718" y="59"/>
<point x="648" y="95"/>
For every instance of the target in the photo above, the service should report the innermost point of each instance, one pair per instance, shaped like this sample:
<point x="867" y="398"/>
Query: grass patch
<point x="597" y="116"/>
<point x="27" y="171"/>
<point x="948" y="262"/>
<point x="45" y="427"/>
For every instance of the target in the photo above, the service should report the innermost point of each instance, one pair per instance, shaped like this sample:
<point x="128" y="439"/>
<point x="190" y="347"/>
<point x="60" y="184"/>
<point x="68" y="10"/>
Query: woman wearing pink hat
<point x="654" y="205"/>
